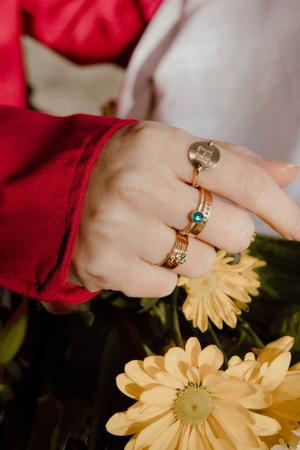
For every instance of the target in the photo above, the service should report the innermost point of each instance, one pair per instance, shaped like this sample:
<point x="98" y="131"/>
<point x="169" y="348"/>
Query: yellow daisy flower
<point x="271" y="370"/>
<point x="222" y="294"/>
<point x="184" y="401"/>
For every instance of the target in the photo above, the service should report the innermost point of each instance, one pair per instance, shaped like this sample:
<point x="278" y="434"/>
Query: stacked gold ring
<point x="178" y="254"/>
<point x="199" y="216"/>
<point x="202" y="155"/>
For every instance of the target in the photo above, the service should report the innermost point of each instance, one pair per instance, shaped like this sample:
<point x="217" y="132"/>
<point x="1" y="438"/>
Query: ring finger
<point x="228" y="227"/>
<point x="161" y="239"/>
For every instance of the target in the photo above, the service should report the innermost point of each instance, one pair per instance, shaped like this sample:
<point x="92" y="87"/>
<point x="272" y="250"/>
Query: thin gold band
<point x="178" y="254"/>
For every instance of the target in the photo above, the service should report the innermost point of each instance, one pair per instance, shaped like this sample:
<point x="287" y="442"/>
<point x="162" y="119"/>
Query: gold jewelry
<point x="199" y="216"/>
<point x="203" y="156"/>
<point x="178" y="254"/>
<point x="254" y="237"/>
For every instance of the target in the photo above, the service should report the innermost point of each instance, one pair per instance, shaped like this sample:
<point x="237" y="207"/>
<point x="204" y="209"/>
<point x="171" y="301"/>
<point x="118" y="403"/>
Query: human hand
<point x="140" y="192"/>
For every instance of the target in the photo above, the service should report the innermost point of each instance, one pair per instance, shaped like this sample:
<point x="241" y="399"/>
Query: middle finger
<point x="228" y="227"/>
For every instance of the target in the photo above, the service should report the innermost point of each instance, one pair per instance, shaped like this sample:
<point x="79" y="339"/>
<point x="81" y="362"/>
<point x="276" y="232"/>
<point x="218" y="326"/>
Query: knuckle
<point x="99" y="266"/>
<point x="128" y="188"/>
<point x="147" y="131"/>
<point x="205" y="265"/>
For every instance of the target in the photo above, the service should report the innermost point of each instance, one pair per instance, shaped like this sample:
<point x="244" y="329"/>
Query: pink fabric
<point x="46" y="161"/>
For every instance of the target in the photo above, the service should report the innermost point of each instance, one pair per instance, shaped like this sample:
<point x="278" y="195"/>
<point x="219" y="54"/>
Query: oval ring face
<point x="204" y="155"/>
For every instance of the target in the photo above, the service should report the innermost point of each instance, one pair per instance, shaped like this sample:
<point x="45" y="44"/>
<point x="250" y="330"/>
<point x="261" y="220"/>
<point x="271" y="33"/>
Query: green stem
<point x="216" y="341"/>
<point x="175" y="319"/>
<point x="252" y="334"/>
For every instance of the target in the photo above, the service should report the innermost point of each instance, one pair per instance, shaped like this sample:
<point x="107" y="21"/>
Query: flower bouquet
<point x="213" y="366"/>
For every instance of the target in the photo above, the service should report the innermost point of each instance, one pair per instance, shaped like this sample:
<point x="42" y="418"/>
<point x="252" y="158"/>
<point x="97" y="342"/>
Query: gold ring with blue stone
<point x="199" y="216"/>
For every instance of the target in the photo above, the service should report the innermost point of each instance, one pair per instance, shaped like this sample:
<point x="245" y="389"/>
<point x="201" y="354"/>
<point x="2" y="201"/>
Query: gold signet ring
<point x="203" y="156"/>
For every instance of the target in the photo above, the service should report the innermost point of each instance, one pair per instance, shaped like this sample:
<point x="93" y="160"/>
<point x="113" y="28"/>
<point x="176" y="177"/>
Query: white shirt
<point x="223" y="69"/>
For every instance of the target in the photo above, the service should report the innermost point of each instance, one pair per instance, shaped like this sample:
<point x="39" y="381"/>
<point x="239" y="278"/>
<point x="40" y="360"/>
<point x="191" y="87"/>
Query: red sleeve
<point x="89" y="31"/>
<point x="44" y="171"/>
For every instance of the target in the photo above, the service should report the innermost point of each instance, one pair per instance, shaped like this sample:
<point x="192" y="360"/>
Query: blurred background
<point x="60" y="87"/>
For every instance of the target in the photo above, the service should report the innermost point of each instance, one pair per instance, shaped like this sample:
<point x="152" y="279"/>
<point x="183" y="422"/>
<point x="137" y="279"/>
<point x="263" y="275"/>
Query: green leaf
<point x="6" y="394"/>
<point x="13" y="334"/>
<point x="148" y="303"/>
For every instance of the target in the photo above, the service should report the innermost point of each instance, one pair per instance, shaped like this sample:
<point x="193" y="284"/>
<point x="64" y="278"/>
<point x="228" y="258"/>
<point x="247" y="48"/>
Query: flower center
<point x="192" y="404"/>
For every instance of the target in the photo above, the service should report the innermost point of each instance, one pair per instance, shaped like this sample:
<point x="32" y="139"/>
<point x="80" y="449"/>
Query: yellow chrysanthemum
<point x="185" y="402"/>
<point x="271" y="370"/>
<point x="221" y="295"/>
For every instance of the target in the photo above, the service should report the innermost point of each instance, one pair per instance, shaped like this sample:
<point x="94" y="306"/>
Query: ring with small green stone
<point x="178" y="254"/>
<point x="199" y="216"/>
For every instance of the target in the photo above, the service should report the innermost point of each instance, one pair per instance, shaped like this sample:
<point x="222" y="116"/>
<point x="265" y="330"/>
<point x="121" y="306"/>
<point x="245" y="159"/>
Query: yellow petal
<point x="295" y="366"/>
<point x="120" y="425"/>
<point x="139" y="412"/>
<point x="192" y="350"/>
<point x="184" y="438"/>
<point x="241" y="369"/>
<point x="250" y="357"/>
<point x="219" y="433"/>
<point x="227" y="388"/>
<point x="168" y="439"/>
<point x="263" y="425"/>
<point x="211" y="356"/>
<point x="289" y="389"/>
<point x="128" y="387"/>
<point x="216" y="442"/>
<point x="135" y="371"/>
<point x="285" y="343"/>
<point x="150" y="433"/>
<point x="153" y="364"/>
<point x="160" y="395"/>
<point x="195" y="440"/>
<point x="130" y="444"/>
<point x="273" y="349"/>
<point x="276" y="371"/>
<point x="234" y="360"/>
<point x="194" y="375"/>
<point x="260" y="399"/>
<point x="169" y="380"/>
<point x="214" y="311"/>
<point x="176" y="363"/>
<point x="289" y="410"/>
<point x="237" y="421"/>
<point x="182" y="281"/>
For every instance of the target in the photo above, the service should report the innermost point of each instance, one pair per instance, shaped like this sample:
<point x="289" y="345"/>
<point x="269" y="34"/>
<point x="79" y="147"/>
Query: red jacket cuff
<point x="44" y="173"/>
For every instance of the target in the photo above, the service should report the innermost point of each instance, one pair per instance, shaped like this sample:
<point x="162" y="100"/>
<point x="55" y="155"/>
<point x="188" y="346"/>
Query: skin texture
<point x="140" y="193"/>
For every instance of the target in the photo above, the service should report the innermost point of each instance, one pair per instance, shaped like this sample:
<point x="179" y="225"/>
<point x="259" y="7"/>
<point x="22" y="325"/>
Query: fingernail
<point x="293" y="166"/>
<point x="296" y="168"/>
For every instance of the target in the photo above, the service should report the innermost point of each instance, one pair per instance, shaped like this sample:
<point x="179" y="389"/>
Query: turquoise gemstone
<point x="197" y="217"/>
